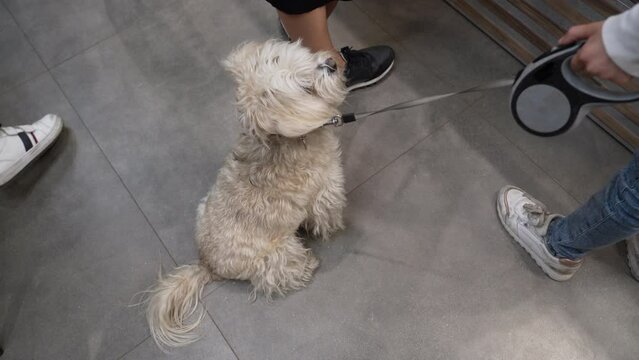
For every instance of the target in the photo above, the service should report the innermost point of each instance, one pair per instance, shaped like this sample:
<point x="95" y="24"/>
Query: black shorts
<point x="296" y="7"/>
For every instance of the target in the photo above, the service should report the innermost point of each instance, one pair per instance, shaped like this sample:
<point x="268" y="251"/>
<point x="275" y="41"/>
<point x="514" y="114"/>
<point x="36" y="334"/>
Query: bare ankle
<point x="339" y="59"/>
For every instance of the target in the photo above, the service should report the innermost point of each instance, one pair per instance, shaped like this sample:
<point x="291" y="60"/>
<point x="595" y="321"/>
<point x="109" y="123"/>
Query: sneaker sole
<point x="372" y="81"/>
<point x="33" y="153"/>
<point x="550" y="272"/>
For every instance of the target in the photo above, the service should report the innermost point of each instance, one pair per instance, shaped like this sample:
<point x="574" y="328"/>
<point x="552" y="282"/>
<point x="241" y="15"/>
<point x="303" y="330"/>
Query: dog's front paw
<point x="325" y="233"/>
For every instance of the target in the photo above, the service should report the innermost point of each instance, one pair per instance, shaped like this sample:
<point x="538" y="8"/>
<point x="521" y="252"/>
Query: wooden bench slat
<point x="517" y="25"/>
<point x="538" y="17"/>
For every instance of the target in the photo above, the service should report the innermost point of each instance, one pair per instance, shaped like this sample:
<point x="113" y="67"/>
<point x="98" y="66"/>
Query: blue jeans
<point x="610" y="216"/>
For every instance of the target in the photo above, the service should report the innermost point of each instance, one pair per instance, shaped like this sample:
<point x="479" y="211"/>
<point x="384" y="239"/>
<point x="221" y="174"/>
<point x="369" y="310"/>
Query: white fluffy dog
<point x="284" y="172"/>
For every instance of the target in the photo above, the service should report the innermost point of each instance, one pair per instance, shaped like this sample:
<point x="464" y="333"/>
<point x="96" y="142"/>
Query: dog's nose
<point x="330" y="65"/>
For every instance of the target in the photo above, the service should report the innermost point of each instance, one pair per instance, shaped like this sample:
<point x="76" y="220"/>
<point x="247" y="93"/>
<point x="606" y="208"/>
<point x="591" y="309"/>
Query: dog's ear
<point x="302" y="116"/>
<point x="241" y="60"/>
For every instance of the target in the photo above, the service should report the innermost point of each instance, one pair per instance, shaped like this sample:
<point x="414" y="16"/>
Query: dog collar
<point x="340" y="119"/>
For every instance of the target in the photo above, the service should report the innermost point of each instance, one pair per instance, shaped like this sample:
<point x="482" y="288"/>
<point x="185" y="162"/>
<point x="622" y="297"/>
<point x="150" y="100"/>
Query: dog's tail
<point x="173" y="303"/>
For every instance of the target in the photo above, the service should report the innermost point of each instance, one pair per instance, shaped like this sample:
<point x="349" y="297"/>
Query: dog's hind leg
<point x="283" y="266"/>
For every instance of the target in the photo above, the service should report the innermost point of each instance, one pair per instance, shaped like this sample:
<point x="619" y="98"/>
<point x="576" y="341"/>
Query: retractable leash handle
<point x="548" y="98"/>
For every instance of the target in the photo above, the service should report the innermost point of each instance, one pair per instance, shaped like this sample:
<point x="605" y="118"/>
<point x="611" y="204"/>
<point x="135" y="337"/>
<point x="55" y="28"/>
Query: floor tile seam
<point x="60" y="87"/>
<point x="503" y="135"/>
<point x="207" y="312"/>
<point x="47" y="71"/>
<point x="415" y="57"/>
<point x="100" y="41"/>
<point x="223" y="284"/>
<point x="90" y="133"/>
<point x="392" y="261"/>
<point x="535" y="163"/>
<point x="26" y="37"/>
<point x="428" y="135"/>
<point x="221" y="333"/>
<point x="86" y="49"/>
<point x="23" y="82"/>
<point x="108" y="160"/>
<point x="133" y="348"/>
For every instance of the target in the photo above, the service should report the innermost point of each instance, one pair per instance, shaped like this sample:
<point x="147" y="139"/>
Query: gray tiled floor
<point x="423" y="269"/>
<point x="19" y="61"/>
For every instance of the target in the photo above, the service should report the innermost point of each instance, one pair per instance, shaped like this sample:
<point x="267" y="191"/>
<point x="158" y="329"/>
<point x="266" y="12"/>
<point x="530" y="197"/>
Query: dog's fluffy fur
<point x="284" y="172"/>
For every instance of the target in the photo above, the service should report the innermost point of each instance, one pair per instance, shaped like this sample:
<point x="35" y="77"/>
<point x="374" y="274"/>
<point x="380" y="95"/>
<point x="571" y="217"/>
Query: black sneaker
<point x="367" y="66"/>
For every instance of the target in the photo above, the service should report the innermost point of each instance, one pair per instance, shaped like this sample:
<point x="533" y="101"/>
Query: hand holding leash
<point x="592" y="58"/>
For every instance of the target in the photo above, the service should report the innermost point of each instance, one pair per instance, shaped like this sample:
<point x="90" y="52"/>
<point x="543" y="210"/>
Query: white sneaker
<point x="21" y="144"/>
<point x="527" y="220"/>
<point x="633" y="255"/>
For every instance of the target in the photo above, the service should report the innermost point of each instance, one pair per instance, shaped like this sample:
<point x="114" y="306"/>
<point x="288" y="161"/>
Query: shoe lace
<point x="354" y="58"/>
<point x="536" y="214"/>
